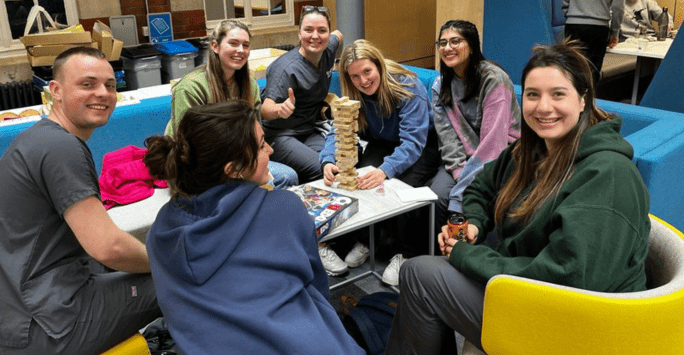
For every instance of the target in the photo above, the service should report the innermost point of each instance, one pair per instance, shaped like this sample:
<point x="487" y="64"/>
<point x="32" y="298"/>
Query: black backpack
<point x="159" y="339"/>
<point x="369" y="320"/>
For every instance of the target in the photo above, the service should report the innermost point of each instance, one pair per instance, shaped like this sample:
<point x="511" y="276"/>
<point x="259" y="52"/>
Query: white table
<point x="374" y="208"/>
<point x="654" y="49"/>
<point x="136" y="218"/>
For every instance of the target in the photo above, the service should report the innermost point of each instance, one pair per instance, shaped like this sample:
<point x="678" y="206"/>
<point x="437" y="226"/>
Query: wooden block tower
<point x="345" y="113"/>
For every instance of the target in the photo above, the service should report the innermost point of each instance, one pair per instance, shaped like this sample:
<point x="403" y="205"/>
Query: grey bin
<point x="142" y="72"/>
<point x="178" y="59"/>
<point x="142" y="66"/>
<point x="174" y="66"/>
<point x="202" y="45"/>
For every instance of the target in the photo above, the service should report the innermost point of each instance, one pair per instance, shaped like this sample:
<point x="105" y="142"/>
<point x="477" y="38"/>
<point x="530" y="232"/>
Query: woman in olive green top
<point x="224" y="77"/>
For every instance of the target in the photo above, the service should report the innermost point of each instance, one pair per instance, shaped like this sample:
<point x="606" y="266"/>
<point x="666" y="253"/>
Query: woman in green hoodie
<point x="565" y="201"/>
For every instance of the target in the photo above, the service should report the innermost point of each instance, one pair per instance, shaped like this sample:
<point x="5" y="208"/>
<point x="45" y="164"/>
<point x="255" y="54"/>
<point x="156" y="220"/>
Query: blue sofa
<point x="656" y="135"/>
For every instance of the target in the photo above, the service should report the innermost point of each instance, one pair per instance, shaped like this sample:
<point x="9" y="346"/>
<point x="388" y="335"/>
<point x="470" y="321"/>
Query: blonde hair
<point x="219" y="88"/>
<point x="390" y="92"/>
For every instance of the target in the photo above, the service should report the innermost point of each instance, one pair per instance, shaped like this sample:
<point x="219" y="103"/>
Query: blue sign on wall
<point x="161" y="29"/>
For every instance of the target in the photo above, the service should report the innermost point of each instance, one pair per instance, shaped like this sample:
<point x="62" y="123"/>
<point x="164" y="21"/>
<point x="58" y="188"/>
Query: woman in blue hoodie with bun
<point x="235" y="266"/>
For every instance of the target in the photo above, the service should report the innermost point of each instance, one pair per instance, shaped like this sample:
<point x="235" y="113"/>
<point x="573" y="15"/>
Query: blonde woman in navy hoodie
<point x="394" y="119"/>
<point x="235" y="266"/>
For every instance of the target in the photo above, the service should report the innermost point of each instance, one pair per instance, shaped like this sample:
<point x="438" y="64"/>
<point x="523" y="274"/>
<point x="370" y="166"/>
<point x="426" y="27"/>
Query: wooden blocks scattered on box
<point x="345" y="115"/>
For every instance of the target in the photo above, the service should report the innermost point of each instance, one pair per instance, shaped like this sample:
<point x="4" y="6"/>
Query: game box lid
<point x="327" y="208"/>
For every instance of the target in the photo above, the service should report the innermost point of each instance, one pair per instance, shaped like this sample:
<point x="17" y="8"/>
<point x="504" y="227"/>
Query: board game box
<point x="328" y="209"/>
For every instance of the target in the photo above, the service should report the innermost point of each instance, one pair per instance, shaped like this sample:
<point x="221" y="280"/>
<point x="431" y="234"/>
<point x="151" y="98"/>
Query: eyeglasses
<point x="453" y="42"/>
<point x="309" y="8"/>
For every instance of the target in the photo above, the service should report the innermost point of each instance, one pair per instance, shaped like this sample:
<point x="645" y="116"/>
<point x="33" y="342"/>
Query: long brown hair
<point x="219" y="88"/>
<point x="469" y="32"/>
<point x="390" y="92"/>
<point x="542" y="170"/>
<point x="208" y="137"/>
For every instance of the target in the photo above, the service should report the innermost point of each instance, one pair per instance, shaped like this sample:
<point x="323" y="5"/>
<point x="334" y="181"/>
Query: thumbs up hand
<point x="290" y="94"/>
<point x="285" y="109"/>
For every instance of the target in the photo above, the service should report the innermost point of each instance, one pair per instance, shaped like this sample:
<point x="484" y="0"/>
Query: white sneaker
<point x="332" y="263"/>
<point x="391" y="274"/>
<point x="357" y="255"/>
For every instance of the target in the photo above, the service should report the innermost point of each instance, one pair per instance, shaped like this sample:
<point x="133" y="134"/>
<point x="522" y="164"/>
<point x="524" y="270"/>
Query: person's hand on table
<point x="613" y="41"/>
<point x="371" y="179"/>
<point x="285" y="109"/>
<point x="329" y="171"/>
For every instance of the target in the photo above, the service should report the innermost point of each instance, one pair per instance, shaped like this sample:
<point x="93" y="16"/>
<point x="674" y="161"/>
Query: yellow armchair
<point x="523" y="316"/>
<point x="135" y="345"/>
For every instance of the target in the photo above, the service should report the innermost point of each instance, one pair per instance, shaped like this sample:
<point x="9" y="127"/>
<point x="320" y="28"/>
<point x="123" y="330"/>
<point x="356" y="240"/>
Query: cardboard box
<point x="109" y="45"/>
<point x="43" y="48"/>
<point x="55" y="49"/>
<point x="56" y="38"/>
<point x="260" y="59"/>
<point x="39" y="56"/>
<point x="117" y="47"/>
<point x="45" y="60"/>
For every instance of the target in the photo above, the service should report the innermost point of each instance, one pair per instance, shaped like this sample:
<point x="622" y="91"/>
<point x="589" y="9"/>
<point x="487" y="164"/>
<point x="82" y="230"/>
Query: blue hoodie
<point x="237" y="271"/>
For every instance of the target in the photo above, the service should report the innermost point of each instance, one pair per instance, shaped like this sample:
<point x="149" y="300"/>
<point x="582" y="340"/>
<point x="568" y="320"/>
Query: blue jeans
<point x="300" y="153"/>
<point x="283" y="175"/>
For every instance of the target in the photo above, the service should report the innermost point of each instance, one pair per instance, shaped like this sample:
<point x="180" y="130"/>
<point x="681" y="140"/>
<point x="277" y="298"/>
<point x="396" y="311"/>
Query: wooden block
<point x="351" y="159"/>
<point x="348" y="180"/>
<point x="350" y="172"/>
<point x="345" y="127"/>
<point x="330" y="98"/>
<point x="344" y="165"/>
<point x="345" y="113"/>
<point x="351" y="104"/>
<point x="345" y="140"/>
<point x="348" y="187"/>
<point x="339" y="101"/>
<point x="347" y="154"/>
<point x="344" y="134"/>
<point x="343" y="120"/>
<point x="344" y="146"/>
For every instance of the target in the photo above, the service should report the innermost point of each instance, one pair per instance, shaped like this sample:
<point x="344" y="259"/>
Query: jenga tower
<point x="345" y="113"/>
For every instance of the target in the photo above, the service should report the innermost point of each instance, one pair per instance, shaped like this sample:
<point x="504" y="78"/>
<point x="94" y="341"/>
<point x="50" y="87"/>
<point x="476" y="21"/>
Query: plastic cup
<point x="642" y="44"/>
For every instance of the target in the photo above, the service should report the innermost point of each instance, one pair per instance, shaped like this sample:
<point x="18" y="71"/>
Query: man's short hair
<point x="64" y="56"/>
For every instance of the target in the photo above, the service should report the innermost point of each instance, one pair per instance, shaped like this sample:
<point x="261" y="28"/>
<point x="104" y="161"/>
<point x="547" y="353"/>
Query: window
<point x="256" y="13"/>
<point x="14" y="14"/>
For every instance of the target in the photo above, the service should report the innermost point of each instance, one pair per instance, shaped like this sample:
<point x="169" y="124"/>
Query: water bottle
<point x="663" y="23"/>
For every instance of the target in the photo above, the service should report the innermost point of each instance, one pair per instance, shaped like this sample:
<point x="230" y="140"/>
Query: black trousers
<point x="595" y="40"/>
<point x="116" y="306"/>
